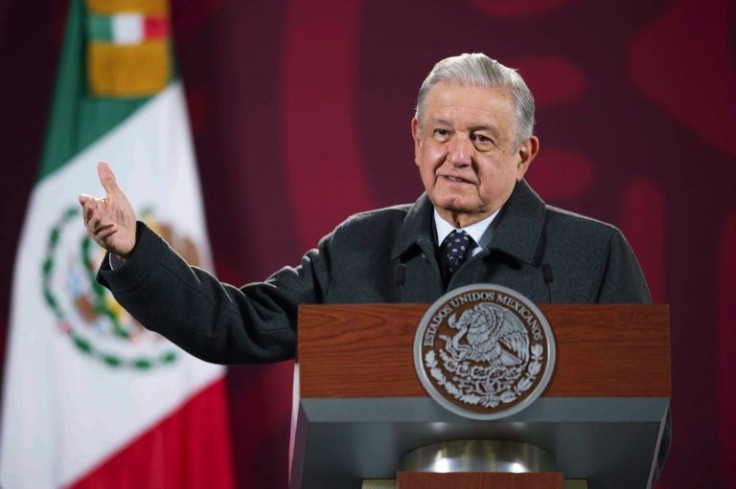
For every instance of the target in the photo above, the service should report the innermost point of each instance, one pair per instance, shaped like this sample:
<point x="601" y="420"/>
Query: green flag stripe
<point x="99" y="27"/>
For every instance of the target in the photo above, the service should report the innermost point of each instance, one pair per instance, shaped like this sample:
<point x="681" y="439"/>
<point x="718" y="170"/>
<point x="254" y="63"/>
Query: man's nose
<point x="461" y="151"/>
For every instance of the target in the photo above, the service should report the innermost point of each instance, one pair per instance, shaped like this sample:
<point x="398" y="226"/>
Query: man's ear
<point x="417" y="141"/>
<point x="527" y="152"/>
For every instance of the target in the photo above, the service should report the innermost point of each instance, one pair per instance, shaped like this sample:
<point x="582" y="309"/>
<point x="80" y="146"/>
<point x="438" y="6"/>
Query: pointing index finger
<point x="107" y="178"/>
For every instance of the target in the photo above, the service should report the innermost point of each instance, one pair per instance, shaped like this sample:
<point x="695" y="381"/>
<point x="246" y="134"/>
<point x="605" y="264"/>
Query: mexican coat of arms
<point x="484" y="351"/>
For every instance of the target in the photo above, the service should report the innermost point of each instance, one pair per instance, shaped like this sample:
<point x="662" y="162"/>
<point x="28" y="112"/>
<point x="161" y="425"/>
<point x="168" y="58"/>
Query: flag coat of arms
<point x="91" y="398"/>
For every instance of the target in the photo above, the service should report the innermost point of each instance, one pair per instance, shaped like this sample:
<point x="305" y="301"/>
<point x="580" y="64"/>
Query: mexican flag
<point x="91" y="398"/>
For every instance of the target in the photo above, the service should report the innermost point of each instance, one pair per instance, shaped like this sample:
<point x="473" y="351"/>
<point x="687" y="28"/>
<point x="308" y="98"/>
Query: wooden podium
<point x="362" y="406"/>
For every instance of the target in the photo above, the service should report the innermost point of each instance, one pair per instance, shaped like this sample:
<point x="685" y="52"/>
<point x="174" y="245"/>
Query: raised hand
<point x="110" y="221"/>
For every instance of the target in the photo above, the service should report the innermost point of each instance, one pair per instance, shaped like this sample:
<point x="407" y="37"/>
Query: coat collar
<point x="517" y="230"/>
<point x="417" y="230"/>
<point x="520" y="225"/>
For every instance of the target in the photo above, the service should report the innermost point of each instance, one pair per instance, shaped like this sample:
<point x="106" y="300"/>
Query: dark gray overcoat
<point x="545" y="253"/>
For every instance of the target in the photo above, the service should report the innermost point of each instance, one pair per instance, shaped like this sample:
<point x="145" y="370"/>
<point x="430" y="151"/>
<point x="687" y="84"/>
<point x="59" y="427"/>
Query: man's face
<point x="466" y="151"/>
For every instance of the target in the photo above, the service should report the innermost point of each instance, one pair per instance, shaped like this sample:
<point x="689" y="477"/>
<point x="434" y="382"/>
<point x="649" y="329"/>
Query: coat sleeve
<point x="212" y="320"/>
<point x="621" y="277"/>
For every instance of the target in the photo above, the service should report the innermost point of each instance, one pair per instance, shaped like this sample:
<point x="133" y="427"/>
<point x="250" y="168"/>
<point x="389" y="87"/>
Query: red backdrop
<point x="300" y="111"/>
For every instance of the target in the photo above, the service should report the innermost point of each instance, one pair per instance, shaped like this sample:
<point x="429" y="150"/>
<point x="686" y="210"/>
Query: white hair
<point x="477" y="69"/>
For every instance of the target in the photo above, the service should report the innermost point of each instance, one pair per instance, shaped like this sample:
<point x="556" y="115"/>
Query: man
<point x="478" y="221"/>
<point x="473" y="145"/>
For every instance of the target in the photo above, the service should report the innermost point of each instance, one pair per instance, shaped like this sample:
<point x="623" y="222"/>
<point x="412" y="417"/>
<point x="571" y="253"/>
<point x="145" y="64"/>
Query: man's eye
<point x="441" y="132"/>
<point x="482" y="142"/>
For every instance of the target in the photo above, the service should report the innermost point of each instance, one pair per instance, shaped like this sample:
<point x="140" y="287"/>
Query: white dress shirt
<point x="480" y="231"/>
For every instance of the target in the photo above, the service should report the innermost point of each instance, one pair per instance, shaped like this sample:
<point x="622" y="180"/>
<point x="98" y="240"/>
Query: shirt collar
<point x="516" y="232"/>
<point x="480" y="231"/>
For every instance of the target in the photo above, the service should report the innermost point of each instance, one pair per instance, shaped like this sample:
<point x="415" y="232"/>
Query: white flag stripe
<point x="127" y="28"/>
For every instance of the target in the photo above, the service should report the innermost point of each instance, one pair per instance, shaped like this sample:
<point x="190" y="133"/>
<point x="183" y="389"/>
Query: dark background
<point x="300" y="115"/>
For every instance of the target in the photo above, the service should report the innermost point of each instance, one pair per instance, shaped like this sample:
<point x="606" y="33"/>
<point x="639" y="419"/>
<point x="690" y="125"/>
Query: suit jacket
<point x="545" y="253"/>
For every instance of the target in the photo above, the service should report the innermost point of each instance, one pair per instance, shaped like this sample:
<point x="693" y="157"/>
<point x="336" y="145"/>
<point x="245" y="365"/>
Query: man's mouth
<point x="456" y="179"/>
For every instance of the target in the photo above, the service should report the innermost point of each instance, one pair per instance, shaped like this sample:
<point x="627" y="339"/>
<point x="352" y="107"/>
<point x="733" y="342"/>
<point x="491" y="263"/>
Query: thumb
<point x="107" y="179"/>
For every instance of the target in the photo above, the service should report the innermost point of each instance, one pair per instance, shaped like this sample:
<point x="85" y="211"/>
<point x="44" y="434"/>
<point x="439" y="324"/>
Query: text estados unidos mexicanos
<point x="482" y="296"/>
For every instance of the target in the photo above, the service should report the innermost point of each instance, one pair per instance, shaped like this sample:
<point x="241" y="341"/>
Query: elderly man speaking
<point x="477" y="222"/>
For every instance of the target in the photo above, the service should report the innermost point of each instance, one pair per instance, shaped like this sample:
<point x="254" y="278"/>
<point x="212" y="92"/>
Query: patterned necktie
<point x="456" y="248"/>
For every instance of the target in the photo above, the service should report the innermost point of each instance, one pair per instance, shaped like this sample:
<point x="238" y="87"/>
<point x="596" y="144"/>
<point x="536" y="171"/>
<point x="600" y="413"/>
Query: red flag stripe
<point x="155" y="28"/>
<point x="188" y="449"/>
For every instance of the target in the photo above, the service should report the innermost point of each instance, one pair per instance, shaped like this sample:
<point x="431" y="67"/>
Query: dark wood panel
<point x="365" y="350"/>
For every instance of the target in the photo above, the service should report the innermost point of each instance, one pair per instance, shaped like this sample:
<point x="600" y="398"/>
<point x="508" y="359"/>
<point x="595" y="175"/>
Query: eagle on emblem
<point x="489" y="337"/>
